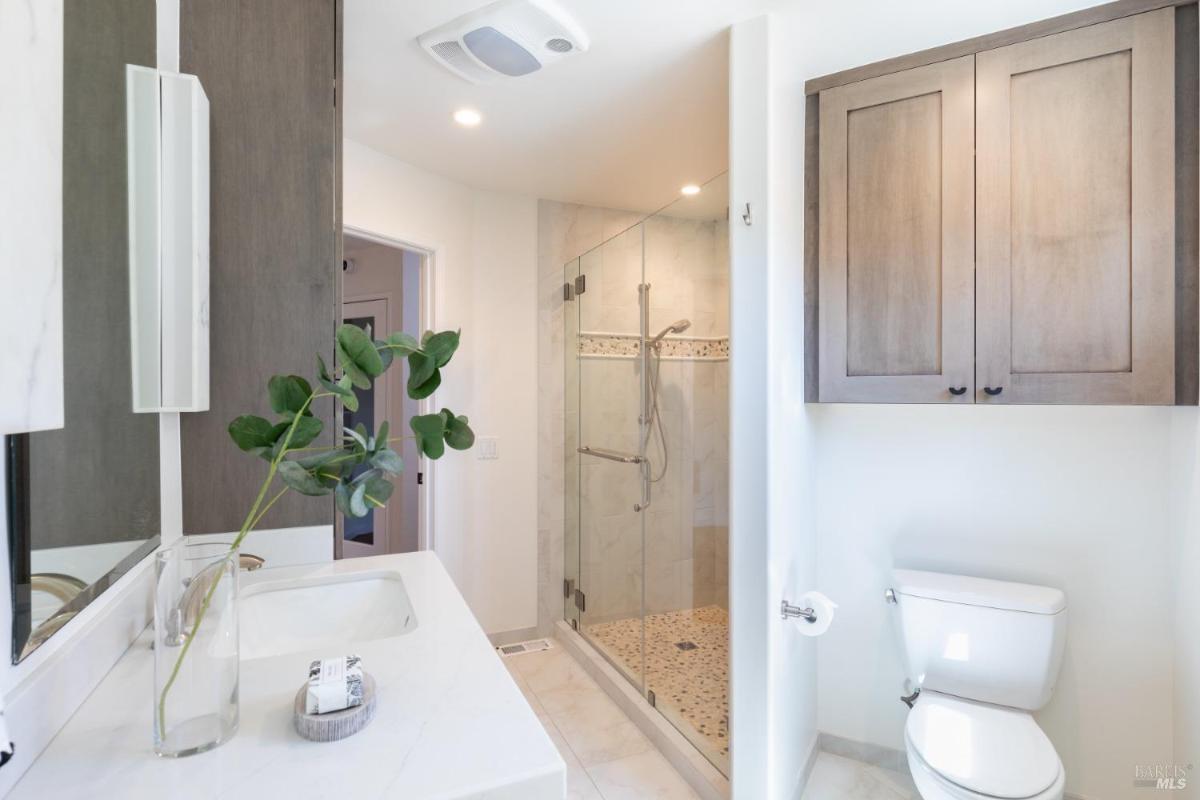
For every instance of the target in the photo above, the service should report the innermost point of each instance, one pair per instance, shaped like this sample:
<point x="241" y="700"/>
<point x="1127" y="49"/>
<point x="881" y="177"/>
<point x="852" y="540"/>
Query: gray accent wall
<point x="269" y="69"/>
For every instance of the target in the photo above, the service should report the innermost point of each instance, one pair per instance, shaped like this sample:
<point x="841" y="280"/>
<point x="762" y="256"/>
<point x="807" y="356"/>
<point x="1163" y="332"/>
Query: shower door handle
<point x="610" y="455"/>
<point x="646" y="472"/>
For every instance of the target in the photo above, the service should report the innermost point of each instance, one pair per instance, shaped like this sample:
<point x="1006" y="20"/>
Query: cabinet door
<point x="897" y="237"/>
<point x="1075" y="216"/>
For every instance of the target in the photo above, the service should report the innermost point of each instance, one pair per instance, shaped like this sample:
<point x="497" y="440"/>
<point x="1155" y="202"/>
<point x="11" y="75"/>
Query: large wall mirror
<point x="83" y="501"/>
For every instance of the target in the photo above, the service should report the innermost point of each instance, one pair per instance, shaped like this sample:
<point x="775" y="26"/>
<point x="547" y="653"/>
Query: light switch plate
<point x="487" y="448"/>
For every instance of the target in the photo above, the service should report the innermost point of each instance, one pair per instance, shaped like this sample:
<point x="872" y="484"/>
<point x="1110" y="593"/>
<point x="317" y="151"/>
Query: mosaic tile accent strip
<point x="628" y="345"/>
<point x="691" y="684"/>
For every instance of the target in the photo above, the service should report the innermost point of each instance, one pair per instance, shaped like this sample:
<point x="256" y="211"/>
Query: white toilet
<point x="985" y="654"/>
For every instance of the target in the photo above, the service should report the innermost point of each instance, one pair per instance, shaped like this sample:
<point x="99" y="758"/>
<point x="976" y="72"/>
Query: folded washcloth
<point x="334" y="684"/>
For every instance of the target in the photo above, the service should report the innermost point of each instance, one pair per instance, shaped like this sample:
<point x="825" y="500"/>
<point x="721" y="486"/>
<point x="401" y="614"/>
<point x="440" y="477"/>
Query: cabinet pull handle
<point x="993" y="391"/>
<point x="961" y="390"/>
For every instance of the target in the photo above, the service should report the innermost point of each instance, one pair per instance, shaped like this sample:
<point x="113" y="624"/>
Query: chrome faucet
<point x="183" y="616"/>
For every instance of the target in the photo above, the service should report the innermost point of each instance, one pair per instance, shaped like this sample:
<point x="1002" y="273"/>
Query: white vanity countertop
<point x="450" y="722"/>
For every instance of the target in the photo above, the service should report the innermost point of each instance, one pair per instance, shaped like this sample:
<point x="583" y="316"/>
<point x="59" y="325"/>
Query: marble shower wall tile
<point x="31" y="105"/>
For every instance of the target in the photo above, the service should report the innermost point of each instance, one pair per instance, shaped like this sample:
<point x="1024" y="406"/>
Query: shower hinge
<point x="580" y="285"/>
<point x="568" y="292"/>
<point x="580" y="600"/>
<point x="651" y="699"/>
<point x="568" y="587"/>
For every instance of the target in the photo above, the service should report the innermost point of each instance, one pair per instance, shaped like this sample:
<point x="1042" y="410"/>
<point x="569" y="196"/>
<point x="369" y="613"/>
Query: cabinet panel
<point x="896" y="237"/>
<point x="1075" y="216"/>
<point x="893" y="235"/>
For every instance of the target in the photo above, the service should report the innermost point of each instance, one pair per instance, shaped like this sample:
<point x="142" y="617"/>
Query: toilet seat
<point x="962" y="749"/>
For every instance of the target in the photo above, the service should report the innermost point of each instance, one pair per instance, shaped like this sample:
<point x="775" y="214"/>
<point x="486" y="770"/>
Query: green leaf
<point x="318" y="460"/>
<point x="388" y="460"/>
<point x="458" y="433"/>
<point x="381" y="437"/>
<point x="349" y="397"/>
<point x="385" y="353"/>
<point x="357" y="345"/>
<point x="251" y="433"/>
<point x="401" y="343"/>
<point x="423" y="377"/>
<point x="298" y="478"/>
<point x="289" y="394"/>
<point x="430" y="430"/>
<point x="358" y="502"/>
<point x="343" y="387"/>
<point x="341" y="498"/>
<point x="378" y="490"/>
<point x="441" y="346"/>
<point x="351" y="370"/>
<point x="356" y="437"/>
<point x="307" y="429"/>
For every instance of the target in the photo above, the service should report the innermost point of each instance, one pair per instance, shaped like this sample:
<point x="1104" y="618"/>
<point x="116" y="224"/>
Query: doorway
<point x="383" y="290"/>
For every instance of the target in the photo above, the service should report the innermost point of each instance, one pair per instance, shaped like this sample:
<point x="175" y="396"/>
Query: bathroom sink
<point x="322" y="615"/>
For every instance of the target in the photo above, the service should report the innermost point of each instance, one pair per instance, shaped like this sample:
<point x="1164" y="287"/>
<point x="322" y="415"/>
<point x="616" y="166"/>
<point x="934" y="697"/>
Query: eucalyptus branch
<point x="356" y="491"/>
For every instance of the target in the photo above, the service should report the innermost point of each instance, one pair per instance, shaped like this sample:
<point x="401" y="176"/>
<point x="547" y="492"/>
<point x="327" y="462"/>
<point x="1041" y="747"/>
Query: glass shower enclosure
<point x="646" y="438"/>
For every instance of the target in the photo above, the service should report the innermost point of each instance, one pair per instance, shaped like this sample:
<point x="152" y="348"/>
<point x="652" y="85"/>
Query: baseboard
<point x="814" y="750"/>
<point x="705" y="779"/>
<point x="512" y="637"/>
<point x="874" y="754"/>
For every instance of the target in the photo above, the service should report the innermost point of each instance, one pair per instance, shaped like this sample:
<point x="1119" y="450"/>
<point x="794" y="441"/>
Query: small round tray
<point x="336" y="724"/>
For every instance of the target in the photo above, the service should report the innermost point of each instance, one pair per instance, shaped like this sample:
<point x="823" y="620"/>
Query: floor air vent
<point x="532" y="646"/>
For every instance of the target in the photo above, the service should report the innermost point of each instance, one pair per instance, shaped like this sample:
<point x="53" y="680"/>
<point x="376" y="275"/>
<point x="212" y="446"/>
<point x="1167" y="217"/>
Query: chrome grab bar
<point x="611" y="455"/>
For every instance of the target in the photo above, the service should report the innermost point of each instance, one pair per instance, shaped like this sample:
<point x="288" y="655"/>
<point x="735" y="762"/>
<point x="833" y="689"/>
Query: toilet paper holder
<point x="789" y="611"/>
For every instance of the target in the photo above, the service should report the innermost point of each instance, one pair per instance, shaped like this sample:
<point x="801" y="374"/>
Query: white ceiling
<point x="624" y="125"/>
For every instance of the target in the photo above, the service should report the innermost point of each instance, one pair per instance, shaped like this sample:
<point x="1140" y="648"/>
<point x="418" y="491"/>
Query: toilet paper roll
<point x="823" y="607"/>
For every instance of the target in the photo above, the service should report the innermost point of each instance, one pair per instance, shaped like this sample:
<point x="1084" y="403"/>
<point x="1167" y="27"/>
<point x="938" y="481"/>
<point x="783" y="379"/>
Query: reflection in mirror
<point x="83" y="501"/>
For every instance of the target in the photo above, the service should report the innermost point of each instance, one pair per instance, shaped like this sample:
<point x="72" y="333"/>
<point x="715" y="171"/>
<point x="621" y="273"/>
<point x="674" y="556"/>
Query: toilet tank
<point x="981" y="639"/>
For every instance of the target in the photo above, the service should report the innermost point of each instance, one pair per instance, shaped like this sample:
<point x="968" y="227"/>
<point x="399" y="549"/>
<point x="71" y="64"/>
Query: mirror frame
<point x="26" y="639"/>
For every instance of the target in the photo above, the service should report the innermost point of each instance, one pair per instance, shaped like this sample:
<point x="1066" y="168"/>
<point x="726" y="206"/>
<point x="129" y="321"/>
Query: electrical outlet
<point x="488" y="448"/>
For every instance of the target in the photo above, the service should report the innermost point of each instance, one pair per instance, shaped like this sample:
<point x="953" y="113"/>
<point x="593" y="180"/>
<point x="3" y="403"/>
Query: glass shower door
<point x="604" y="443"/>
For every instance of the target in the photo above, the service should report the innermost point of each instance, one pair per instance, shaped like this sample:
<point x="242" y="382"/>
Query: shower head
<point x="678" y="326"/>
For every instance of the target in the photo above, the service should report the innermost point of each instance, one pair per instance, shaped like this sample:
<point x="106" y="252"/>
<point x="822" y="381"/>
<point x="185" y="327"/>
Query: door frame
<point x="382" y="544"/>
<point x="426" y="538"/>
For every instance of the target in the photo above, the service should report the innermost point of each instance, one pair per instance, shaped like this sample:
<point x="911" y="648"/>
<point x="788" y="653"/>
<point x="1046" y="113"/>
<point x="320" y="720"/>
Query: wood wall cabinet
<point x="1002" y="227"/>
<point x="897" y="248"/>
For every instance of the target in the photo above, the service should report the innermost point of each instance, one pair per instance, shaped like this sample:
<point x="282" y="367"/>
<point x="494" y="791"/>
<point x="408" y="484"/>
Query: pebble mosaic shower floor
<point x="687" y="667"/>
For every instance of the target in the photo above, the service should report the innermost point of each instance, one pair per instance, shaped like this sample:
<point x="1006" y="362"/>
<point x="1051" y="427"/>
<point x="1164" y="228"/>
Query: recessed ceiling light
<point x="689" y="190"/>
<point x="468" y="117"/>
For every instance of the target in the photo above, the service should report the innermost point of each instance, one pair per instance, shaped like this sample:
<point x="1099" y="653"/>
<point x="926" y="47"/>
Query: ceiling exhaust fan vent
<point x="506" y="39"/>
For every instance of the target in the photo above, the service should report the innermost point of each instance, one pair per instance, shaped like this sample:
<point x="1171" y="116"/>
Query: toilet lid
<point x="984" y="748"/>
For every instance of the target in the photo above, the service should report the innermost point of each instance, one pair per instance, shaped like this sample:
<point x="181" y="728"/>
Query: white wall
<point x="1075" y="498"/>
<point x="1072" y="497"/>
<point x="485" y="282"/>
<point x="773" y="669"/>
<point x="1184" y="554"/>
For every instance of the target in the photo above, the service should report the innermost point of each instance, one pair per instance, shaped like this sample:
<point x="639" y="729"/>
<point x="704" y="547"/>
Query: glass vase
<point x="195" y="647"/>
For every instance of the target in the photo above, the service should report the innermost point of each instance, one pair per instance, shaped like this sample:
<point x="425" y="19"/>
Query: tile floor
<point x="691" y="681"/>
<point x="607" y="757"/>
<point x="837" y="778"/>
